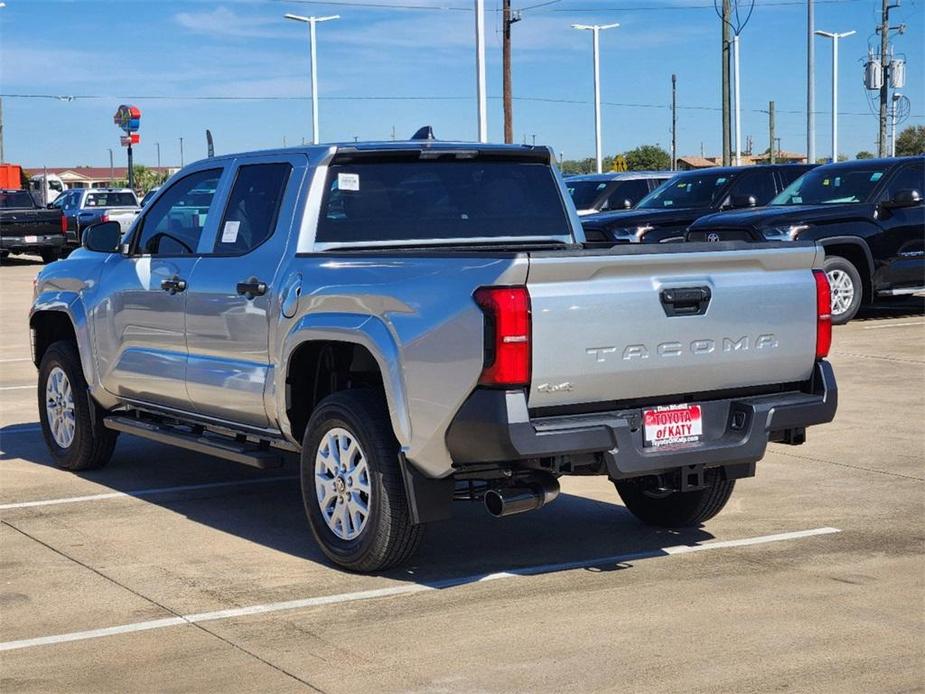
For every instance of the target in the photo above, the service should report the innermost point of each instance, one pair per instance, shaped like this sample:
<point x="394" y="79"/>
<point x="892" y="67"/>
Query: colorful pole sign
<point x="128" y="118"/>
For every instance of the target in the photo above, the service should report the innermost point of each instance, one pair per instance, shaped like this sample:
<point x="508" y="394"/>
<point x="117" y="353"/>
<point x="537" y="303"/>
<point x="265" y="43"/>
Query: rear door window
<point x="253" y="207"/>
<point x="440" y="200"/>
<point x="760" y="185"/>
<point x="911" y="177"/>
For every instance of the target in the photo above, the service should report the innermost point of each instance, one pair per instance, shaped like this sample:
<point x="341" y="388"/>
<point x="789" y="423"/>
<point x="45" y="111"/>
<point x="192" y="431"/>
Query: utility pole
<point x="112" y="168"/>
<point x="181" y="152"/>
<point x="674" y="122"/>
<point x="508" y="18"/>
<point x="834" y="36"/>
<point x="480" y="70"/>
<point x="727" y="123"/>
<point x="595" y="30"/>
<point x="810" y="84"/>
<point x="884" y="30"/>
<point x="1" y="131"/>
<point x="312" y="22"/>
<point x="158" y="145"/>
<point x="772" y="159"/>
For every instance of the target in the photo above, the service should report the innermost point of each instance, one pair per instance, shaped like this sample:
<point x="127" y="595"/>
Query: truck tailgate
<point x="671" y="320"/>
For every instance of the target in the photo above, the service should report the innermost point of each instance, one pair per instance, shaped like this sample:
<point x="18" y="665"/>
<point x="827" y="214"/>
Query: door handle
<point x="173" y="285"/>
<point x="252" y="287"/>
<point x="686" y="301"/>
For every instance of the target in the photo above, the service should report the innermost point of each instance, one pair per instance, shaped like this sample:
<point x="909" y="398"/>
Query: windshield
<point x="110" y="200"/>
<point x="584" y="193"/>
<point x="821" y="187"/>
<point x="17" y="199"/>
<point x="369" y="202"/>
<point x="686" y="191"/>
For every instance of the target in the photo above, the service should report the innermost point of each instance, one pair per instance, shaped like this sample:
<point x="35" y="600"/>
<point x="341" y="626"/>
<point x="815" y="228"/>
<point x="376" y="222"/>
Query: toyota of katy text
<point x="868" y="215"/>
<point x="665" y="213"/>
<point x="417" y="323"/>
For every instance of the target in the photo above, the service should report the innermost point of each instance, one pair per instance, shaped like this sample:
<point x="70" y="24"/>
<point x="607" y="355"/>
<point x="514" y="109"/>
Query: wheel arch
<point x="325" y="353"/>
<point x="60" y="317"/>
<point x="858" y="253"/>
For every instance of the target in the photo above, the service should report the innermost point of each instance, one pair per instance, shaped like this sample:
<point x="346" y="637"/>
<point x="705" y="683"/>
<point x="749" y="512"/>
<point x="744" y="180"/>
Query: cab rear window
<point x="373" y="202"/>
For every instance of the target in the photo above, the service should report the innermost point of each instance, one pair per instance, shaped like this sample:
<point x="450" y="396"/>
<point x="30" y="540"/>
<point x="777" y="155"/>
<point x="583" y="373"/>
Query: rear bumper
<point x="494" y="426"/>
<point x="20" y="244"/>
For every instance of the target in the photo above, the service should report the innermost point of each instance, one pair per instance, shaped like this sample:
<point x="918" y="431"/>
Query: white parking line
<point x="7" y="361"/>
<point x="32" y="387"/>
<point x="143" y="492"/>
<point x="891" y="325"/>
<point x="401" y="590"/>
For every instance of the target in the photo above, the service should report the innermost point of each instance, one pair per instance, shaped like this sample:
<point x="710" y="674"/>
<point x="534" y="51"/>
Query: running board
<point x="246" y="453"/>
<point x="901" y="292"/>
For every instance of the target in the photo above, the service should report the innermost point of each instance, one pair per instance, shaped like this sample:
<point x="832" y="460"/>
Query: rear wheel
<point x="65" y="412"/>
<point x="847" y="290"/>
<point x="352" y="486"/>
<point x="675" y="509"/>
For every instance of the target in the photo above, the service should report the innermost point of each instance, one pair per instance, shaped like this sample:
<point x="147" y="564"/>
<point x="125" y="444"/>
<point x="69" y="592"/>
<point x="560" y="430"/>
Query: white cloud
<point x="224" y="22"/>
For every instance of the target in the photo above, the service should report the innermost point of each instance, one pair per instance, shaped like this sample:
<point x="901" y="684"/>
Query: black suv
<point x="867" y="214"/>
<point x="665" y="213"/>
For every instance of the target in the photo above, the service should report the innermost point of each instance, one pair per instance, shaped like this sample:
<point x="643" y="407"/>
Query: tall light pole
<point x="112" y="169"/>
<point x="896" y="99"/>
<point x="834" y="36"/>
<point x="158" y="145"/>
<point x="738" y="99"/>
<point x="480" y="70"/>
<point x="312" y="21"/>
<point x="810" y="84"/>
<point x="595" y="30"/>
<point x="181" y="152"/>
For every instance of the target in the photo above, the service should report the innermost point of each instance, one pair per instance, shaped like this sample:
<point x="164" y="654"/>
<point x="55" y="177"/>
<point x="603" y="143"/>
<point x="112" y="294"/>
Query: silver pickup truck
<point x="423" y="322"/>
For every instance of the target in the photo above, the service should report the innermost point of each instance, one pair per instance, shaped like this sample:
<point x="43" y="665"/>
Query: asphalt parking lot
<point x="169" y="572"/>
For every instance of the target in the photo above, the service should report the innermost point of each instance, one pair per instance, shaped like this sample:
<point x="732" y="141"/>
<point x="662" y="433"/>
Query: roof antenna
<point x="425" y="133"/>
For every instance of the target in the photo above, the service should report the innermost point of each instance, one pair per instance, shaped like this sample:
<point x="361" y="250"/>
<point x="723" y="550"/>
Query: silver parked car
<point x="418" y="322"/>
<point x="616" y="190"/>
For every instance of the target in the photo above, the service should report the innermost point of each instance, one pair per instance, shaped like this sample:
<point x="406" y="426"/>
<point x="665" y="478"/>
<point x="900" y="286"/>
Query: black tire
<point x="91" y="447"/>
<point x="675" y="509"/>
<point x="837" y="264"/>
<point x="388" y="537"/>
<point x="50" y="255"/>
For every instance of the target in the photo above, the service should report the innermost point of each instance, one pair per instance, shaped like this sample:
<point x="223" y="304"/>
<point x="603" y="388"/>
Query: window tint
<point x="174" y="223"/>
<point x="633" y="190"/>
<point x="910" y="177"/>
<point x="110" y="200"/>
<point x="468" y="199"/>
<point x="253" y="207"/>
<point x="759" y="185"/>
<point x="831" y="185"/>
<point x="688" y="190"/>
<point x="16" y="199"/>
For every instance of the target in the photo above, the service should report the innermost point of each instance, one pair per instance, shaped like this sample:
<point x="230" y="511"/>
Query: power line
<point x="534" y="99"/>
<point x="371" y="4"/>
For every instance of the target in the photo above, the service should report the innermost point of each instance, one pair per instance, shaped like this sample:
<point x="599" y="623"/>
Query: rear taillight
<point x="507" y="336"/>
<point x="63" y="224"/>
<point x="823" y="314"/>
<point x="104" y="218"/>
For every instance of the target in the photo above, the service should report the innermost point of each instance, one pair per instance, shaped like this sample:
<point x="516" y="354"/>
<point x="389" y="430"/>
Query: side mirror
<point x="50" y="206"/>
<point x="740" y="201"/>
<point x="102" y="238"/>
<point x="904" y="198"/>
<point x="627" y="204"/>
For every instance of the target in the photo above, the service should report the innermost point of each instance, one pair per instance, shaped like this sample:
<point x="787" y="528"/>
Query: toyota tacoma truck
<point x="867" y="214"/>
<point x="25" y="227"/>
<point x="419" y="322"/>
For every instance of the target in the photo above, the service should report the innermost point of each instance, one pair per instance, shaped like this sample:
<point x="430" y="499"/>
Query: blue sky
<point x="187" y="48"/>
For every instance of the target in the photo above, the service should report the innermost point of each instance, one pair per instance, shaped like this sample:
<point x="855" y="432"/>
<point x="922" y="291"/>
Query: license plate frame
<point x="672" y="425"/>
<point x="32" y="239"/>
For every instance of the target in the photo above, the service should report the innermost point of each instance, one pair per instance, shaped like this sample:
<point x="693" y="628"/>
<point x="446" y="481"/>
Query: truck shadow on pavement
<point x="595" y="533"/>
<point x="907" y="307"/>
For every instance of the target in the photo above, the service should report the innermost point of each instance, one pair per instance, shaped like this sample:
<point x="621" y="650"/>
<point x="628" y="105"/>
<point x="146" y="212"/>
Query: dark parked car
<point x="26" y="227"/>
<point x="867" y="214"/>
<point x="616" y="190"/>
<point x="666" y="212"/>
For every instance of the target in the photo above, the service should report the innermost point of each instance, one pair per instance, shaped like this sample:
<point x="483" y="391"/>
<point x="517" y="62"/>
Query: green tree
<point x="911" y="141"/>
<point x="864" y="154"/>
<point x="145" y="178"/>
<point x="647" y="157"/>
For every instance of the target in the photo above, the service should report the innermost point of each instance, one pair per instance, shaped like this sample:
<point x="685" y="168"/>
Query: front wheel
<point x="847" y="290"/>
<point x="675" y="509"/>
<point x="73" y="440"/>
<point x="352" y="486"/>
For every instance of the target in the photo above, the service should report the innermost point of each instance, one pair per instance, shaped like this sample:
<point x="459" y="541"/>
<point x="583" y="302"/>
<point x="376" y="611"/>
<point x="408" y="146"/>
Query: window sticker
<point x="230" y="232"/>
<point x="348" y="181"/>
